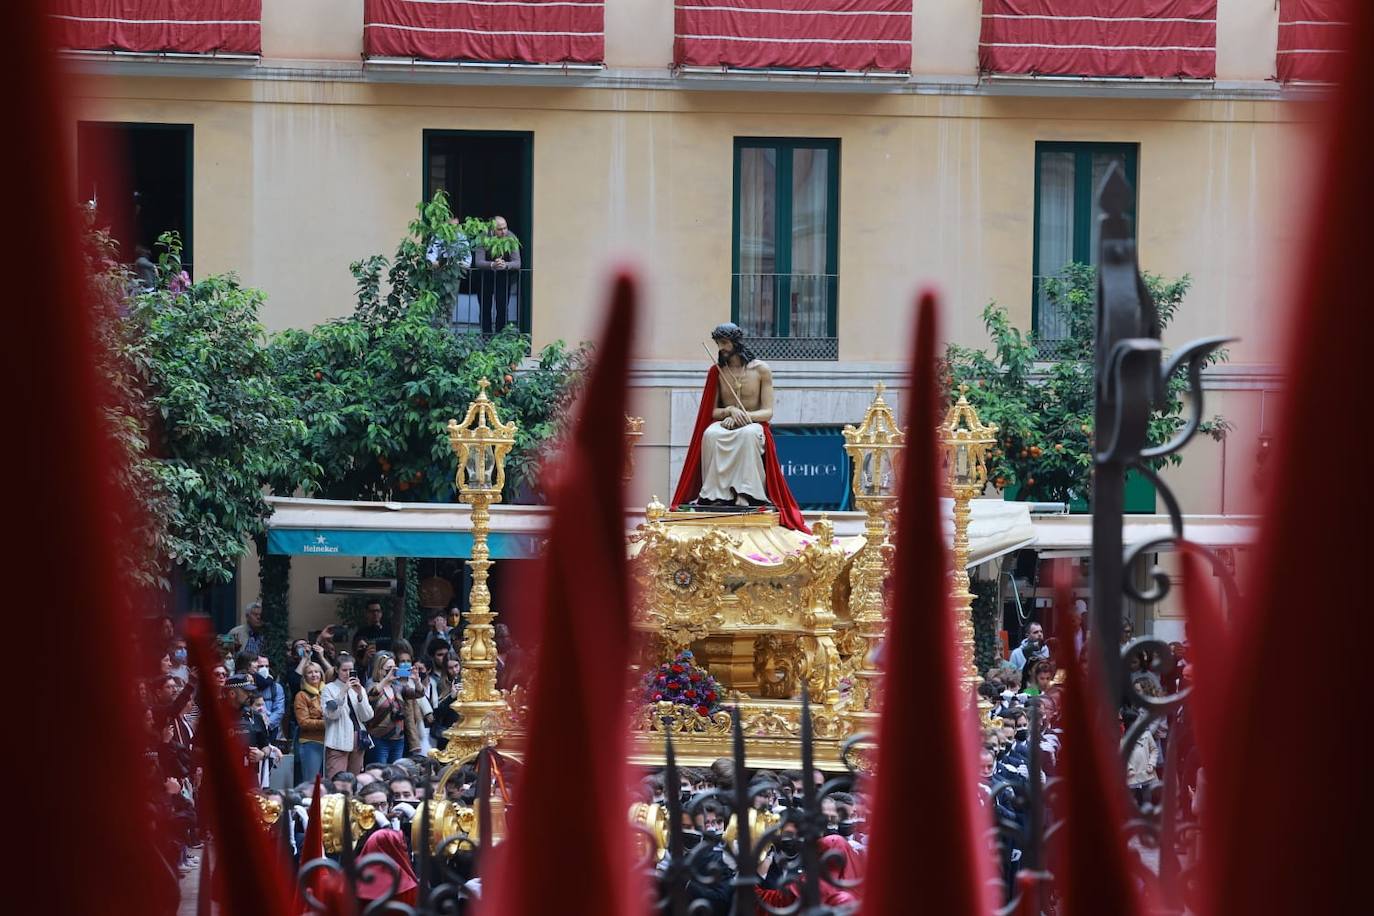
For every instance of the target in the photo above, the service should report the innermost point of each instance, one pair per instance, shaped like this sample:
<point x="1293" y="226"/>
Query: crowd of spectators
<point x="363" y="709"/>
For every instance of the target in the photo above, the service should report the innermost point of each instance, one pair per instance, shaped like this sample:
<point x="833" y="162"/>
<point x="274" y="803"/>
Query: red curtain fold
<point x="794" y="34"/>
<point x="1090" y="861"/>
<point x="928" y="849"/>
<point x="248" y="873"/>
<point x="526" y="31"/>
<point x="1284" y="805"/>
<point x="1312" y="38"/>
<point x="578" y="711"/>
<point x="1103" y="38"/>
<point x="185" y="26"/>
<point x="50" y="358"/>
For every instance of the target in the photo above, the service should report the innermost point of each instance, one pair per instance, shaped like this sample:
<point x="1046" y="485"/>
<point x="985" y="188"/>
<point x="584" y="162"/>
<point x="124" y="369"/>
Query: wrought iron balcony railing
<point x="788" y="316"/>
<point x="488" y="300"/>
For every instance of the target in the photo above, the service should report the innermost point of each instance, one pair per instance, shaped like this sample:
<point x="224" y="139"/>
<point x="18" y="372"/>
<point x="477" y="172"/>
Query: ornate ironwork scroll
<point x="1132" y="382"/>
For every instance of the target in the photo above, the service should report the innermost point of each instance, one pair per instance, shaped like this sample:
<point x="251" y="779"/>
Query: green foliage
<point x="497" y="246"/>
<point x="274" y="581"/>
<point x="143" y="501"/>
<point x="202" y="422"/>
<point x="378" y="387"/>
<point x="1044" y="410"/>
<point x="411" y="278"/>
<point x="986" y="623"/>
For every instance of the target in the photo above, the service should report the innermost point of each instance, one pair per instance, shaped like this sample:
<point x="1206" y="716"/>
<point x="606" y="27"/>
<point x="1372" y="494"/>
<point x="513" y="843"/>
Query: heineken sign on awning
<point x="360" y="542"/>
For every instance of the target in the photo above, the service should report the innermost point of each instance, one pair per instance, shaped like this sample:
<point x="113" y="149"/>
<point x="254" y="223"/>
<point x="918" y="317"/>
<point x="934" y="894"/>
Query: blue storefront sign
<point x="815" y="464"/>
<point x="356" y="542"/>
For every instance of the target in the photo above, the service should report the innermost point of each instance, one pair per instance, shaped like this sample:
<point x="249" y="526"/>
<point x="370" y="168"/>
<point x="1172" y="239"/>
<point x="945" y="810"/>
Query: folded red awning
<point x="1311" y="39"/>
<point x="1100" y="38"/>
<point x="794" y="34"/>
<point x="522" y="31"/>
<point x="184" y="26"/>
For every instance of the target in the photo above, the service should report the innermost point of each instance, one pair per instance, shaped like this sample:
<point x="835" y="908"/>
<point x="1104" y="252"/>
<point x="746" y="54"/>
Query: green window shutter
<point x="1066" y="177"/>
<point x="784" y="254"/>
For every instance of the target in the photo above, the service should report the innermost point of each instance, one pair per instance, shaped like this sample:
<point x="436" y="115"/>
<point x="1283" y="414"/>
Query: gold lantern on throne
<point x="873" y="447"/>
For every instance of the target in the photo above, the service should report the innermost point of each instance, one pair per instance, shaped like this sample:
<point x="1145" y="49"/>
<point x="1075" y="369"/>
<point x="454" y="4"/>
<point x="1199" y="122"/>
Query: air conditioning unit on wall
<point x="356" y="585"/>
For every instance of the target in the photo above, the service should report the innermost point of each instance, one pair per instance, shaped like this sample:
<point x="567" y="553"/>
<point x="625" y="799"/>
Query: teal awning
<point x="346" y="542"/>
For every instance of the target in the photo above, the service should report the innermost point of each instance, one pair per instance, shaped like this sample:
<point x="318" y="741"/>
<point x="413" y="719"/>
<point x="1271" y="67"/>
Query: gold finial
<point x="963" y="390"/>
<point x="482" y="386"/>
<point x="655" y="510"/>
<point x="878" y="389"/>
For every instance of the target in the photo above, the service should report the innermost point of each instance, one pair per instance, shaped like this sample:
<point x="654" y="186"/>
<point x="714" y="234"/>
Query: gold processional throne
<point x="765" y="610"/>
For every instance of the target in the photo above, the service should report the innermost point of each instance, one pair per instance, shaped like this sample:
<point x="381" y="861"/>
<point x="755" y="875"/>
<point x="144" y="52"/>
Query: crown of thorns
<point x="728" y="331"/>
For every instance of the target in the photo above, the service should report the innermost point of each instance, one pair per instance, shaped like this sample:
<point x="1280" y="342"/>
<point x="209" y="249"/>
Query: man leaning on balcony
<point x="495" y="279"/>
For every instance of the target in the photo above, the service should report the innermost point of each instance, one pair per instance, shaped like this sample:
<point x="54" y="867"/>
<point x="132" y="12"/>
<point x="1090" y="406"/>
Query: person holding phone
<point x="388" y="695"/>
<point x="305" y="652"/>
<point x="346" y="710"/>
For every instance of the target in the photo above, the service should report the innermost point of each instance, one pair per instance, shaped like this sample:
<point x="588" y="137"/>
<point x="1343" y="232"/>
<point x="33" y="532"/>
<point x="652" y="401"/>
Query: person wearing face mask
<point x="272" y="693"/>
<point x="177" y="653"/>
<point x="706" y="855"/>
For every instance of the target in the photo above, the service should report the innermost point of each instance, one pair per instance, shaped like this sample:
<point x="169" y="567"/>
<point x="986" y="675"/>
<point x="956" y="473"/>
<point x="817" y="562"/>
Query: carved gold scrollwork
<point x="679" y="720"/>
<point x="681" y="582"/>
<point x="776" y="667"/>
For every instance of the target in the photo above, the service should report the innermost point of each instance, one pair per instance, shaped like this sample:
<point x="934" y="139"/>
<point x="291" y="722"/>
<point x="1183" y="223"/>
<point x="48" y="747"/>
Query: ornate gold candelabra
<point x="873" y="446"/>
<point x="634" y="431"/>
<point x="965" y="440"/>
<point x="481" y="443"/>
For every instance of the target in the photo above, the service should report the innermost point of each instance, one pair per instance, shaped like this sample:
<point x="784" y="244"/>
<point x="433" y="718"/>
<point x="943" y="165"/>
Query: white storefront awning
<point x="1071" y="535"/>
<point x="326" y="527"/>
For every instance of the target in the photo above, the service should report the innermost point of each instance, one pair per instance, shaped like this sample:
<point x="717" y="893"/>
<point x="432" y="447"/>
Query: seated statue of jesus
<point x="732" y="446"/>
<point x="732" y="460"/>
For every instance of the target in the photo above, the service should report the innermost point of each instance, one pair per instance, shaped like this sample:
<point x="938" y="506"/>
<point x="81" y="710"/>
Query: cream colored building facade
<point x="308" y="159"/>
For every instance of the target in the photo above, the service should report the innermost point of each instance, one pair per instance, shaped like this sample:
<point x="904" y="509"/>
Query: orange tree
<point x="376" y="388"/>
<point x="1044" y="407"/>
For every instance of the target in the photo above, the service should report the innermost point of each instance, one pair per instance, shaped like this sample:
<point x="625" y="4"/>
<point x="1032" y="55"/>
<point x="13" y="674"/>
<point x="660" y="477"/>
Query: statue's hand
<point x="738" y="418"/>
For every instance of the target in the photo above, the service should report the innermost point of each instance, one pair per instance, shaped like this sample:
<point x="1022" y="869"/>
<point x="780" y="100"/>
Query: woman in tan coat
<point x="310" y="721"/>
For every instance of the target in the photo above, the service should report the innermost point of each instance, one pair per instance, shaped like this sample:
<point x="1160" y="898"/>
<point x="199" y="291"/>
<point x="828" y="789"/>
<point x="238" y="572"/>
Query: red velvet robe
<point x="774" y="484"/>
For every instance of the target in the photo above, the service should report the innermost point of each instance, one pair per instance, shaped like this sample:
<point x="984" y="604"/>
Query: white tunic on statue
<point x="732" y="462"/>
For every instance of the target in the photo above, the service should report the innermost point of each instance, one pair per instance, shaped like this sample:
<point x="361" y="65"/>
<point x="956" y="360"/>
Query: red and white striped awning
<point x="849" y="35"/>
<point x="182" y="26"/>
<point x="1162" y="39"/>
<point x="1312" y="39"/>
<point x="522" y="31"/>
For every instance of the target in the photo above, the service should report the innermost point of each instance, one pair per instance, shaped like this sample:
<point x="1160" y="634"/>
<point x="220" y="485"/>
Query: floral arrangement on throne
<point x="682" y="682"/>
<point x="682" y="697"/>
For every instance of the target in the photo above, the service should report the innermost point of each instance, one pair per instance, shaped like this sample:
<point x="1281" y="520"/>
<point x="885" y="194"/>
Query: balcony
<point x="490" y="299"/>
<point x="788" y="316"/>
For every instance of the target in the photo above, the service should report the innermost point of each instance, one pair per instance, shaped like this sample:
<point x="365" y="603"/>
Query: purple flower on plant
<point x="179" y="284"/>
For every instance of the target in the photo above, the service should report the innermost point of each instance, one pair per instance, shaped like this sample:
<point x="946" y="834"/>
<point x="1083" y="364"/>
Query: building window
<point x="139" y="178"/>
<point x="488" y="173"/>
<point x="785" y="255"/>
<point x="1066" y="180"/>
